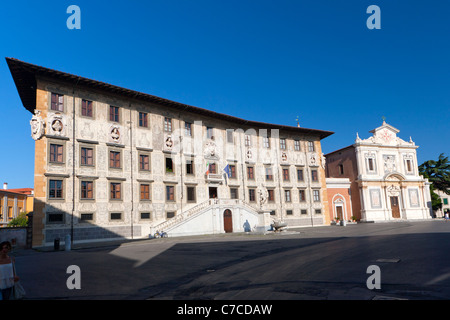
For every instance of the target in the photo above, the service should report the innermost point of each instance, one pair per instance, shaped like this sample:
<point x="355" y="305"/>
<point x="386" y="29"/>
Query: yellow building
<point x="13" y="202"/>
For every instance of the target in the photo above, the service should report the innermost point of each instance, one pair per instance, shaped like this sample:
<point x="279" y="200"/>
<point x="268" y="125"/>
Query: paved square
<point x="308" y="263"/>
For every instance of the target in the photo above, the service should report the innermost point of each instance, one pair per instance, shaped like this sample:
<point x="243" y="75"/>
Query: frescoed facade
<point x="115" y="163"/>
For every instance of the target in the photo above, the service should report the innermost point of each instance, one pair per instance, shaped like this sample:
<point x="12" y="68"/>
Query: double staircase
<point x="235" y="205"/>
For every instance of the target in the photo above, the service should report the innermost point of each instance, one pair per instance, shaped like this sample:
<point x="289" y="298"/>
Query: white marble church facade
<point x="383" y="170"/>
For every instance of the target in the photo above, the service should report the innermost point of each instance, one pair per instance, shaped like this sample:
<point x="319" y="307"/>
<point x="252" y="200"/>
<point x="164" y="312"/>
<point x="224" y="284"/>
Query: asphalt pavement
<point x="315" y="263"/>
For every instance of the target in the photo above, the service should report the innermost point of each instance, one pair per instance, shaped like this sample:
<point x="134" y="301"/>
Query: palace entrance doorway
<point x="228" y="221"/>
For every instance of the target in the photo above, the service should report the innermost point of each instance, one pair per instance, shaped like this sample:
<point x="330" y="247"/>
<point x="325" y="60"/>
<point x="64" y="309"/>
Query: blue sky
<point x="261" y="60"/>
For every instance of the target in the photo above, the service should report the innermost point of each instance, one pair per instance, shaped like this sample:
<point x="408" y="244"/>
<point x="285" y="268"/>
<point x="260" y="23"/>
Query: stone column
<point x="403" y="207"/>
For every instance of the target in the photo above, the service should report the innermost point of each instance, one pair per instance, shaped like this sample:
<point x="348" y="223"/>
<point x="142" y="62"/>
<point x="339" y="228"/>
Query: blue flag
<point x="227" y="171"/>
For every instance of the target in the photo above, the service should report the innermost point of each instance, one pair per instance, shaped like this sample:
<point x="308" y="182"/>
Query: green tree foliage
<point x="438" y="173"/>
<point x="20" y="221"/>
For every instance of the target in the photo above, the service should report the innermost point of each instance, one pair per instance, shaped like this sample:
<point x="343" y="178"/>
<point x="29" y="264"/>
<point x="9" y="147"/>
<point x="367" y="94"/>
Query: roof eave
<point x="25" y="77"/>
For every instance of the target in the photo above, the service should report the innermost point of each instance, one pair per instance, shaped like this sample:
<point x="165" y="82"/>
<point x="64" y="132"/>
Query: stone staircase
<point x="166" y="225"/>
<point x="207" y="210"/>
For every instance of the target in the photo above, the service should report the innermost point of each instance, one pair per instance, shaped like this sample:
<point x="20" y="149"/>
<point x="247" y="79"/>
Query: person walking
<point x="7" y="273"/>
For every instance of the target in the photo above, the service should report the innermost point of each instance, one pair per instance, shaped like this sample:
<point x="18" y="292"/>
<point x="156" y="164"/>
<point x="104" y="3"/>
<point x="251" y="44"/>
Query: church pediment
<point x="384" y="135"/>
<point x="394" y="176"/>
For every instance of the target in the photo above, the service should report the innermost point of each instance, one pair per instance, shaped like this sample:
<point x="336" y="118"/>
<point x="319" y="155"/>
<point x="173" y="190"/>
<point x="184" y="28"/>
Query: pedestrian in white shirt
<point x="7" y="274"/>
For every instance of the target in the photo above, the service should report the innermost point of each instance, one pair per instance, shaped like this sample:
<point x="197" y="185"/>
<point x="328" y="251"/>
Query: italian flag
<point x="207" y="168"/>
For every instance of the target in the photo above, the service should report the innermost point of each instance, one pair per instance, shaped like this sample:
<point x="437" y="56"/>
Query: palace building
<point x="116" y="163"/>
<point x="385" y="184"/>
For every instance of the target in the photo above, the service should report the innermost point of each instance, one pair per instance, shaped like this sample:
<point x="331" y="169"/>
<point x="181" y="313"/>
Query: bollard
<point x="343" y="223"/>
<point x="56" y="244"/>
<point x="67" y="242"/>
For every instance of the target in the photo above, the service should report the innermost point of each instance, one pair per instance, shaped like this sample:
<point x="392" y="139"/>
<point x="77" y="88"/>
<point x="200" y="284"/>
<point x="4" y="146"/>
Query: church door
<point x="228" y="221"/>
<point x="339" y="212"/>
<point x="395" y="207"/>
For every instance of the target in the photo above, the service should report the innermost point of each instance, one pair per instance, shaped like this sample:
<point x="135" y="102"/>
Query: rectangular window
<point x="370" y="164"/>
<point x="191" y="194"/>
<point x="269" y="174"/>
<point x="115" y="189"/>
<point x="167" y="124"/>
<point x="56" y="153"/>
<point x="190" y="166"/>
<point x="114" y="159"/>
<point x="250" y="174"/>
<point x="297" y="145"/>
<point x="55" y="189"/>
<point x="341" y="169"/>
<point x="169" y="165"/>
<point x="314" y="176"/>
<point x="285" y="174"/>
<point x="302" y="195"/>
<point x="145" y="216"/>
<point x="145" y="191"/>
<point x="57" y="102"/>
<point x="209" y="132"/>
<point x="87" y="156"/>
<point x="303" y="211"/>
<point x="212" y="168"/>
<point x="233" y="171"/>
<point x="271" y="195"/>
<point x="87" y="190"/>
<point x="287" y="195"/>
<point x="170" y="193"/>
<point x="266" y="142"/>
<point x="55" y="217"/>
<point x="188" y="129"/>
<point x="234" y="193"/>
<point x="143" y="119"/>
<point x="316" y="195"/>
<point x="408" y="165"/>
<point x="248" y="140"/>
<point x="251" y="195"/>
<point x="230" y="136"/>
<point x="114" y="114"/>
<point x="115" y="216"/>
<point x="289" y="212"/>
<point x="144" y="162"/>
<point x="86" y="217"/>
<point x="170" y="215"/>
<point x="299" y="174"/>
<point x="445" y="201"/>
<point x="311" y="146"/>
<point x="282" y="143"/>
<point x="318" y="211"/>
<point x="86" y="108"/>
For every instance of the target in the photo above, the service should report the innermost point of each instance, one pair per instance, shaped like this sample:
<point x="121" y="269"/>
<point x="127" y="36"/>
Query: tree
<point x="438" y="173"/>
<point x="20" y="221"/>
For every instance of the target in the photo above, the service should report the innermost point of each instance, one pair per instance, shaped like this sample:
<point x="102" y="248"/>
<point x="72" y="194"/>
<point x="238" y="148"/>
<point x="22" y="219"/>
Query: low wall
<point x="16" y="235"/>
<point x="91" y="234"/>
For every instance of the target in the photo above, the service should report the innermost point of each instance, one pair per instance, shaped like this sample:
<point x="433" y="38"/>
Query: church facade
<point x="116" y="163"/>
<point x="385" y="184"/>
